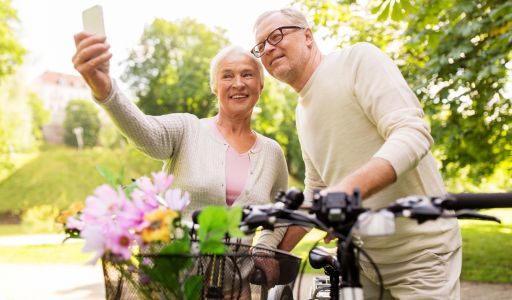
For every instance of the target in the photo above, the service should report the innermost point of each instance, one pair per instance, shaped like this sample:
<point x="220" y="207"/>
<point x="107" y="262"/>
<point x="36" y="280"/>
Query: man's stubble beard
<point x="287" y="76"/>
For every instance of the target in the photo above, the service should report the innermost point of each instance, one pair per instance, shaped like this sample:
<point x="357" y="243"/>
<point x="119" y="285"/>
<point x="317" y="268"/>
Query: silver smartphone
<point x="92" y="19"/>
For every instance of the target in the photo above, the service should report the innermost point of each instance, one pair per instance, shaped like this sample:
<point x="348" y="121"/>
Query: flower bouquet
<point x="147" y="250"/>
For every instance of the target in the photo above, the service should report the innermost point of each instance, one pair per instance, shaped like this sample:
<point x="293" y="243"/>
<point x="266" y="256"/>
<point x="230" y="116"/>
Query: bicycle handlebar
<point x="339" y="211"/>
<point x="477" y="201"/>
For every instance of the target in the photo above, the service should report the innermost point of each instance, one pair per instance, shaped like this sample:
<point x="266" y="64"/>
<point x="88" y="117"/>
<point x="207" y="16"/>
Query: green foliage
<point x="17" y="117"/>
<point x="40" y="116"/>
<point x="456" y="55"/>
<point x="275" y="118"/>
<point x="41" y="218"/>
<point x="110" y="177"/>
<point x="60" y="176"/>
<point x="215" y="222"/>
<point x="81" y="113"/>
<point x="11" y="51"/>
<point x="467" y="46"/>
<point x="169" y="70"/>
<point x="5" y="154"/>
<point x="111" y="137"/>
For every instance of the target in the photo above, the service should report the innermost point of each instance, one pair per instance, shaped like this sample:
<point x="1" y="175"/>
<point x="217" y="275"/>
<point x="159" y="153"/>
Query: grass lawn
<point x="61" y="175"/>
<point x="69" y="252"/>
<point x="486" y="248"/>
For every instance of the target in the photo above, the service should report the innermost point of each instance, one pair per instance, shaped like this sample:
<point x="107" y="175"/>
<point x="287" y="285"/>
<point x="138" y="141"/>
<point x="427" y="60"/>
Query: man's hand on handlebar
<point x="269" y="265"/>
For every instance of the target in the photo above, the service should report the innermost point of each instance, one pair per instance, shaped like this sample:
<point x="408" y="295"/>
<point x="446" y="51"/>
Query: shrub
<point x="81" y="113"/>
<point x="41" y="218"/>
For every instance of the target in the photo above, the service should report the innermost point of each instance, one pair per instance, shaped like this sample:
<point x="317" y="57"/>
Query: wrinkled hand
<point x="91" y="60"/>
<point x="329" y="237"/>
<point x="269" y="265"/>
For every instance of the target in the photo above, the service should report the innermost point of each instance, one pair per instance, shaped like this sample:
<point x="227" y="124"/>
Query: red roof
<point x="50" y="77"/>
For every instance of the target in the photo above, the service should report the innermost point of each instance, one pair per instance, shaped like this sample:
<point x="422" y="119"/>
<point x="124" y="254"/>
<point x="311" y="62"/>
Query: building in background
<point x="56" y="90"/>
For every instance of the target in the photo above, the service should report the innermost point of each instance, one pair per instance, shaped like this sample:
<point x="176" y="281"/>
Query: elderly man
<point x="360" y="125"/>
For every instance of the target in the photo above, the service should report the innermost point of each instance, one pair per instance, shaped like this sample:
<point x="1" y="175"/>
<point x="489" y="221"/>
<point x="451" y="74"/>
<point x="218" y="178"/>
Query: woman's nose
<point x="238" y="81"/>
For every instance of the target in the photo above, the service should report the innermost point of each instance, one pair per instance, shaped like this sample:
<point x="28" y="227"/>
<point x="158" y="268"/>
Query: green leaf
<point x="396" y="12"/>
<point x="406" y="5"/>
<point x="181" y="246"/>
<point x="379" y="7"/>
<point x="234" y="218"/>
<point x="110" y="177"/>
<point x="214" y="223"/>
<point x="384" y="14"/>
<point x="193" y="287"/>
<point x="212" y="246"/>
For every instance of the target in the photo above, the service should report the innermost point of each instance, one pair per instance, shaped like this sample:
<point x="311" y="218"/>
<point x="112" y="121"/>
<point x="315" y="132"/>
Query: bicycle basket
<point x="226" y="276"/>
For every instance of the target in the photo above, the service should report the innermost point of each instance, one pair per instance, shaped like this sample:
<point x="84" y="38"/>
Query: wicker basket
<point x="227" y="276"/>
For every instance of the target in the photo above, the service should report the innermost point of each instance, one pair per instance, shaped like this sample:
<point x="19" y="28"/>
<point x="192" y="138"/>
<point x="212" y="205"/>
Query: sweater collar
<point x="210" y="125"/>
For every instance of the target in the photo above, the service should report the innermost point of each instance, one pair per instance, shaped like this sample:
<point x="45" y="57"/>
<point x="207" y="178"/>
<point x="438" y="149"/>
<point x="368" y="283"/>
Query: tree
<point x="456" y="55"/>
<point x="11" y="55"/>
<point x="40" y="116"/>
<point x="275" y="118"/>
<point x="81" y="113"/>
<point x="169" y="70"/>
<point x="11" y="51"/>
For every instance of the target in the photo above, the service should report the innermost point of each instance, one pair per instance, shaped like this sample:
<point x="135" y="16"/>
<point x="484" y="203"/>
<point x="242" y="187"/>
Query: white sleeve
<point x="157" y="136"/>
<point x="389" y="103"/>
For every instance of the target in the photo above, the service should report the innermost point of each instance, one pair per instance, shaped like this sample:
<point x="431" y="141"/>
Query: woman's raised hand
<point x="91" y="60"/>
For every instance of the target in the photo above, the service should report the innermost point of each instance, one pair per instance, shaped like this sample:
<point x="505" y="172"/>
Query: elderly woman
<point x="218" y="160"/>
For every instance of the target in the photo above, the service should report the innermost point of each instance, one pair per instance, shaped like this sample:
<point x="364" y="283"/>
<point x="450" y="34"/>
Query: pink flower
<point x="162" y="181"/>
<point x="147" y="198"/>
<point x="119" y="241"/>
<point x="132" y="215"/>
<point x="75" y="223"/>
<point x="175" y="201"/>
<point x="94" y="237"/>
<point x="105" y="203"/>
<point x="145" y="184"/>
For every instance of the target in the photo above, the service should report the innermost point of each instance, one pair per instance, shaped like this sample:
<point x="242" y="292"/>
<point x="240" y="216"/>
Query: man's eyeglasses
<point x="273" y="39"/>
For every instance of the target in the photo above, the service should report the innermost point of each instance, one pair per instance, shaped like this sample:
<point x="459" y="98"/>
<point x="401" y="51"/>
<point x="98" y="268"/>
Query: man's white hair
<point x="296" y="17"/>
<point x="225" y="52"/>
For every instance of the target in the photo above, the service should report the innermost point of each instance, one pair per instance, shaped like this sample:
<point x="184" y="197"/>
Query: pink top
<point x="237" y="167"/>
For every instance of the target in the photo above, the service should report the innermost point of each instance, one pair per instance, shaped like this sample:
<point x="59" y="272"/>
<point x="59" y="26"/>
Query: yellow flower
<point x="73" y="209"/>
<point x="160" y="222"/>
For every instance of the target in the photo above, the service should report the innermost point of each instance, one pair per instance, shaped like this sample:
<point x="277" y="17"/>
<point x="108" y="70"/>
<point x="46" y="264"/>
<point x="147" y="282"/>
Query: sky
<point x="47" y="27"/>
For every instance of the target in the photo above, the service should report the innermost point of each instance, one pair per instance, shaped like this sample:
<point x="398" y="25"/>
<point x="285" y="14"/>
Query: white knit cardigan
<point x="196" y="157"/>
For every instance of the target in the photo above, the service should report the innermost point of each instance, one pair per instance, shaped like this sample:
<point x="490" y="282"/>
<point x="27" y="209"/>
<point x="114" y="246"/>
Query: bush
<point x="41" y="218"/>
<point x="111" y="137"/>
<point x="81" y="113"/>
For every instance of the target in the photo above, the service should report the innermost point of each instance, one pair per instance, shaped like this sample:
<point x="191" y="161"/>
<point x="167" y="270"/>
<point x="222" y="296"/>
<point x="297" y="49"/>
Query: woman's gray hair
<point x="229" y="50"/>
<point x="296" y="17"/>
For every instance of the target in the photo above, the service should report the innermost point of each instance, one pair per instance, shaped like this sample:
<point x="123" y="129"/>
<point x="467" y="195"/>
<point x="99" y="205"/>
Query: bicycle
<point x="339" y="213"/>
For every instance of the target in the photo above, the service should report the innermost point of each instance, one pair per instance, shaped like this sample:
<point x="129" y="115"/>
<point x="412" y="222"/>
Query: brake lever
<point x="471" y="214"/>
<point x="422" y="213"/>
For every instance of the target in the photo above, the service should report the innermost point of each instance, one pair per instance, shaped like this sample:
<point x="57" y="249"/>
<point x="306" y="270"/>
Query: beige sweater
<point x="196" y="157"/>
<point x="357" y="106"/>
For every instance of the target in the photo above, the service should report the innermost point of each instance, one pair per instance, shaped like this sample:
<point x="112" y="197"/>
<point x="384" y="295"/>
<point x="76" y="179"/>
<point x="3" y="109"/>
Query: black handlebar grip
<point x="477" y="201"/>
<point x="295" y="198"/>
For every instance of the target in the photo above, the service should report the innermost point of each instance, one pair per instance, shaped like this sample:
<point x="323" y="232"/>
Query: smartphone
<point x="93" y="20"/>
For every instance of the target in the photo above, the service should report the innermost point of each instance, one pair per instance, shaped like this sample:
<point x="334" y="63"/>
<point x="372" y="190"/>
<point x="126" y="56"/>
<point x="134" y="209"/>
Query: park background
<point x="455" y="54"/>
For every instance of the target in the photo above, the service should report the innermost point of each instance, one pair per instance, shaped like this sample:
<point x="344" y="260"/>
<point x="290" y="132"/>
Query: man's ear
<point x="309" y="37"/>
